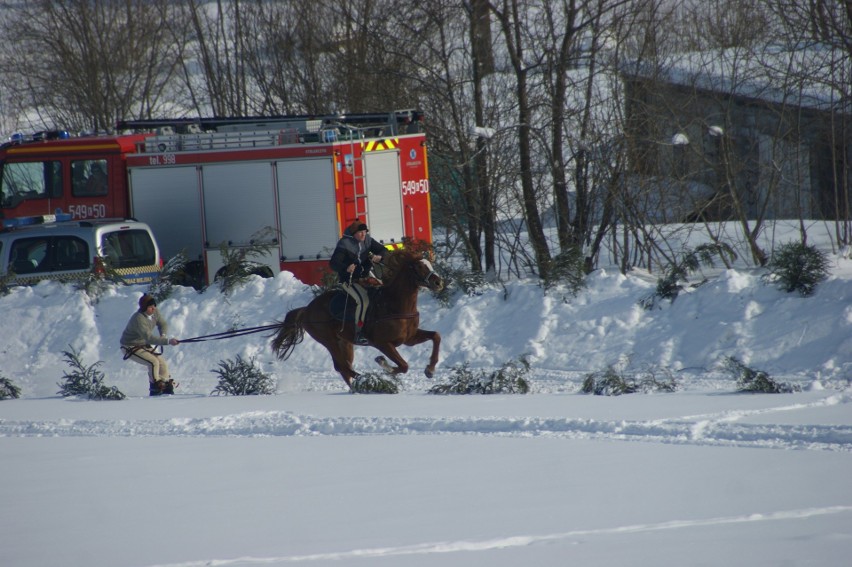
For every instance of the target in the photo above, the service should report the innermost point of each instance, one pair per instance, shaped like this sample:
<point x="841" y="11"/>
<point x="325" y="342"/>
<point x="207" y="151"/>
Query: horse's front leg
<point x="422" y="336"/>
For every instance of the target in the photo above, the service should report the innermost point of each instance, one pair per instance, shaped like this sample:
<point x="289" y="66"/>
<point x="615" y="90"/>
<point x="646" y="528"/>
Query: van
<point x="56" y="247"/>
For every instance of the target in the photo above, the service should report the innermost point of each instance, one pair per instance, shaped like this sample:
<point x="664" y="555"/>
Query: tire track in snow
<point x="517" y="541"/>
<point x="705" y="430"/>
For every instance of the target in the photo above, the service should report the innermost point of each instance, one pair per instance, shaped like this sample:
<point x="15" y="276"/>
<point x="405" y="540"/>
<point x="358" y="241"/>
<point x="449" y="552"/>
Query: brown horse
<point x="392" y="319"/>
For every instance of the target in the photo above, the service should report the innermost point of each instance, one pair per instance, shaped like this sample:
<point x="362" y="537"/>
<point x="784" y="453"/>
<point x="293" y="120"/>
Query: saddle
<point x="342" y="306"/>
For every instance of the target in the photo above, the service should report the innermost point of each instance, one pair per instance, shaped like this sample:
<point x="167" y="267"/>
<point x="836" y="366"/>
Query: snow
<point x="317" y="476"/>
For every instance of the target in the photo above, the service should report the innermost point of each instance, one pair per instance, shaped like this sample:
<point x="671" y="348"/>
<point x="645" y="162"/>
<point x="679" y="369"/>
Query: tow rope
<point x="229" y="334"/>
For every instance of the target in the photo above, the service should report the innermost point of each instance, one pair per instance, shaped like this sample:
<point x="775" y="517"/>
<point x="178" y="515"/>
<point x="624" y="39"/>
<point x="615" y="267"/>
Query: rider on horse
<point x="351" y="260"/>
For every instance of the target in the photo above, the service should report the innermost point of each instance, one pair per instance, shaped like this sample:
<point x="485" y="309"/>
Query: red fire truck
<point x="288" y="185"/>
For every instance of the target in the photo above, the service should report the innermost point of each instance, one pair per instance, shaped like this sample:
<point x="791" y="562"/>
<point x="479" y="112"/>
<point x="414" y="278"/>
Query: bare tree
<point x="483" y="65"/>
<point x="214" y="69"/>
<point x="514" y="27"/>
<point x="828" y="23"/>
<point x="85" y="64"/>
<point x="288" y="57"/>
<point x="450" y="69"/>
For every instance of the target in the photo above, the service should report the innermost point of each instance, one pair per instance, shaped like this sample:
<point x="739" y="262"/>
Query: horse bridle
<point x="425" y="280"/>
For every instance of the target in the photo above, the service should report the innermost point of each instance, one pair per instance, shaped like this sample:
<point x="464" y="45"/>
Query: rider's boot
<point x="359" y="334"/>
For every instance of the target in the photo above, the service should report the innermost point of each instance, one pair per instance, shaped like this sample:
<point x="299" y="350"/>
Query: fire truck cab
<point x="286" y="185"/>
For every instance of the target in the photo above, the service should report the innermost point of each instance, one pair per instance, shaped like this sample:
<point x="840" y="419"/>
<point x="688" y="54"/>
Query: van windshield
<point x="128" y="249"/>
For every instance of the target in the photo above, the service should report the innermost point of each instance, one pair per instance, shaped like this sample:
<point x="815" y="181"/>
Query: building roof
<point x="814" y="76"/>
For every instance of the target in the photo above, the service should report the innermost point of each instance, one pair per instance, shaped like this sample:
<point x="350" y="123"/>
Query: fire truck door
<point x="167" y="199"/>
<point x="384" y="196"/>
<point x="307" y="209"/>
<point x="239" y="211"/>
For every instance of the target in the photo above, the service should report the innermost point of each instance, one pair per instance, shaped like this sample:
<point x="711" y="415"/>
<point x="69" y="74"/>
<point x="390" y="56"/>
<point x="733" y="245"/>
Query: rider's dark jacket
<point x="349" y="251"/>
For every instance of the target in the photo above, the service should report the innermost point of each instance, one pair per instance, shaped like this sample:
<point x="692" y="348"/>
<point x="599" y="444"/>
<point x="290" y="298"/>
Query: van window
<point x="89" y="177"/>
<point x="48" y="254"/>
<point x="28" y="255"/>
<point x="30" y="180"/>
<point x="71" y="253"/>
<point x="128" y="249"/>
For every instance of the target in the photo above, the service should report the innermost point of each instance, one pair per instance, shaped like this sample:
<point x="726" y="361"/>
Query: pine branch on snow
<point x="510" y="379"/>
<point x="8" y="389"/>
<point x="372" y="383"/>
<point x="86" y="381"/>
<point x="242" y="378"/>
<point x="610" y="382"/>
<point x="756" y="381"/>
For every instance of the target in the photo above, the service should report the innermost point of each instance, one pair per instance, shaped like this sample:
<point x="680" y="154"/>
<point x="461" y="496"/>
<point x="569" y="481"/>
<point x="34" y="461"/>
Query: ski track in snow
<point x="721" y="429"/>
<point x="517" y="541"/>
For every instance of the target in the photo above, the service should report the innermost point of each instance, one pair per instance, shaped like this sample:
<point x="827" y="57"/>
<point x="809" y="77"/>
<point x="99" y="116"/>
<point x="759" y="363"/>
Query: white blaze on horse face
<point x="431" y="273"/>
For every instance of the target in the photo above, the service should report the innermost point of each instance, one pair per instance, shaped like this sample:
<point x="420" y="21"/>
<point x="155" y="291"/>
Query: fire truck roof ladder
<point x="357" y="135"/>
<point x="396" y="122"/>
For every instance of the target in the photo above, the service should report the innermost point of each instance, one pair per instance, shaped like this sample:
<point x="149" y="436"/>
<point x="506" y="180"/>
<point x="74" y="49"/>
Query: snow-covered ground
<point x="317" y="476"/>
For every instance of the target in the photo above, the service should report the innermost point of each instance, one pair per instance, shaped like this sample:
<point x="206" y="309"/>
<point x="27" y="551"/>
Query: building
<point x="746" y="135"/>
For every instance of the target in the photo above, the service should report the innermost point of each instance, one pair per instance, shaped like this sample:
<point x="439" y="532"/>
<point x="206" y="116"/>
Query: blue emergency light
<point x="41" y="219"/>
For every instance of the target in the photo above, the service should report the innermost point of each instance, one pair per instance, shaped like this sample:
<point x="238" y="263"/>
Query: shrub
<point x="86" y="381"/>
<point x="756" y="381"/>
<point x="240" y="262"/>
<point x="610" y="382"/>
<point x="458" y="280"/>
<point x="672" y="283"/>
<point x="372" y="383"/>
<point x="328" y="282"/>
<point x="510" y="379"/>
<point x="8" y="389"/>
<point x="242" y="378"/>
<point x="569" y="268"/>
<point x="796" y="266"/>
<point x="173" y="273"/>
<point x="100" y="278"/>
<point x="6" y="281"/>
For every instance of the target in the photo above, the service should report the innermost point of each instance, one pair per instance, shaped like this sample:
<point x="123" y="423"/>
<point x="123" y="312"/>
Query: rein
<point x="252" y="330"/>
<point x="229" y="334"/>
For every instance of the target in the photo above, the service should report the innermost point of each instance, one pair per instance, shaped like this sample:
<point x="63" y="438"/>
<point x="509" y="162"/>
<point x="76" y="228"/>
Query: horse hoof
<point x="429" y="372"/>
<point x="382" y="361"/>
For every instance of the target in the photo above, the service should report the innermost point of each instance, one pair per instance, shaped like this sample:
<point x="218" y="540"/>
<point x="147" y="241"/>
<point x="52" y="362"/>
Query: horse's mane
<point x="396" y="261"/>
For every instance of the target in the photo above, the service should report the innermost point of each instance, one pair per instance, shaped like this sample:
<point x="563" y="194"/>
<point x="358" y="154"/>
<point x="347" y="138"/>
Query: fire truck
<point x="285" y="185"/>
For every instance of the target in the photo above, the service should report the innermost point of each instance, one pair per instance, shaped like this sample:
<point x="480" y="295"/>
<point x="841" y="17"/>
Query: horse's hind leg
<point x="342" y="355"/>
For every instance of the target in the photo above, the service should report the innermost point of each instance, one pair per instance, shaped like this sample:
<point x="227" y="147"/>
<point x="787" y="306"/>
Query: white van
<point x="55" y="247"/>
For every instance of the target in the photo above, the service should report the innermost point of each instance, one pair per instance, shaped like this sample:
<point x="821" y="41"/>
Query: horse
<point x="392" y="319"/>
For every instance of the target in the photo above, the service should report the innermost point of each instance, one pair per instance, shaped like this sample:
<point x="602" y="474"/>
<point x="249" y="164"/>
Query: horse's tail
<point x="290" y="333"/>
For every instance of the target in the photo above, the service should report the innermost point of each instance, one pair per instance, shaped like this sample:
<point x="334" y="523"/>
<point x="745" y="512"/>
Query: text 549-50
<point x="96" y="211"/>
<point x="415" y="187"/>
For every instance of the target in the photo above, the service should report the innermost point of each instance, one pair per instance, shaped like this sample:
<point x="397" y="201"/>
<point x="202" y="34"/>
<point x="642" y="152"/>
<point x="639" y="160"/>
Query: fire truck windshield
<point x="29" y="180"/>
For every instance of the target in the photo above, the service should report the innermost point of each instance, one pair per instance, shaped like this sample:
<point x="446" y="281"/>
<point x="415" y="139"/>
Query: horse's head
<point x="411" y="267"/>
<point x="426" y="275"/>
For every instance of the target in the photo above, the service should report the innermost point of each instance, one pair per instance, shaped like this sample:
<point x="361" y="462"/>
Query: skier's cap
<point x="145" y="301"/>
